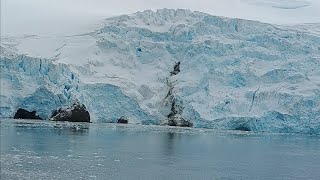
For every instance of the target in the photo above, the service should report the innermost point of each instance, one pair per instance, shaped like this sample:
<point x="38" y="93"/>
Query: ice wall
<point x="44" y="86"/>
<point x="35" y="85"/>
<point x="235" y="74"/>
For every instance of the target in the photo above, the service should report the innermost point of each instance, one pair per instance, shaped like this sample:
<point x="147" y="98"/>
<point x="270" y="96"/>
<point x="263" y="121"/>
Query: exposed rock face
<point x="24" y="114"/>
<point x="242" y="128"/>
<point x="176" y="69"/>
<point x="179" y="122"/>
<point x="175" y="117"/>
<point x="77" y="113"/>
<point x="123" y="120"/>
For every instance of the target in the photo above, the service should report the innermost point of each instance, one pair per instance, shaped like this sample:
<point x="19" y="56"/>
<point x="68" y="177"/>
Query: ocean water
<point x="56" y="150"/>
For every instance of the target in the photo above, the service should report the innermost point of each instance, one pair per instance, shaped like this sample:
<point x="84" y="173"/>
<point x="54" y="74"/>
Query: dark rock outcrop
<point x="123" y="120"/>
<point x="180" y="122"/>
<point x="77" y="113"/>
<point x="176" y="69"/>
<point x="175" y="116"/>
<point x="24" y="114"/>
<point x="242" y="128"/>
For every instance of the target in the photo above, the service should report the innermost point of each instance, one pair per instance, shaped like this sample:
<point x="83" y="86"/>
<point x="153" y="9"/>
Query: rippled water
<point x="53" y="150"/>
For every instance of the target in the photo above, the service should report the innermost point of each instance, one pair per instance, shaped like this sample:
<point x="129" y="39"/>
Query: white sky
<point x="73" y="16"/>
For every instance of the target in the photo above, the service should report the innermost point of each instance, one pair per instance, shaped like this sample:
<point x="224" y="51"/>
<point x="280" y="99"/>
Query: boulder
<point x="123" y="120"/>
<point x="77" y="113"/>
<point x="24" y="114"/>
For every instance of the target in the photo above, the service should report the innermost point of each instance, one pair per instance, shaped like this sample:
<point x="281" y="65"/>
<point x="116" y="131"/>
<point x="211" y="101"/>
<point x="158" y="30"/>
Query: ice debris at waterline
<point x="232" y="73"/>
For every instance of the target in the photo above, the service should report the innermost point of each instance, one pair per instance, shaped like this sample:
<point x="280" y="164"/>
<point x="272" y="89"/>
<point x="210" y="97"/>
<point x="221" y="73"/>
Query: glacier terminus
<point x="233" y="74"/>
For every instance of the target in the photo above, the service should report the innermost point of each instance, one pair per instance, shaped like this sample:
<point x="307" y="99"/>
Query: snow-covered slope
<point x="234" y="74"/>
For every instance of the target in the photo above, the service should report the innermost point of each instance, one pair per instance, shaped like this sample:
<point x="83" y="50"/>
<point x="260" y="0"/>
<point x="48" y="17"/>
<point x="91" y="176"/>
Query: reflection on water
<point x="56" y="150"/>
<point x="169" y="143"/>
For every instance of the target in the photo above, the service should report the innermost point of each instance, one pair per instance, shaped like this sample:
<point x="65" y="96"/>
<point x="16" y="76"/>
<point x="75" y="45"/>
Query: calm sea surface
<point x="55" y="150"/>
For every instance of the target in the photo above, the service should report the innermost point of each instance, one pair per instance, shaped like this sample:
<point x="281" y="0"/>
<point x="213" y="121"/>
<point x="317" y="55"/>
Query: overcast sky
<point x="72" y="16"/>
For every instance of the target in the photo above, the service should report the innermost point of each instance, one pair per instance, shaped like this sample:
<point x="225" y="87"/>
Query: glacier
<point x="235" y="74"/>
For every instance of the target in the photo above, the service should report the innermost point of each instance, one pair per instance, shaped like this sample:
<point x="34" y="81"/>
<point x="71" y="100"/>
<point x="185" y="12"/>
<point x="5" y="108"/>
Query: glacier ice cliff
<point x="40" y="85"/>
<point x="234" y="73"/>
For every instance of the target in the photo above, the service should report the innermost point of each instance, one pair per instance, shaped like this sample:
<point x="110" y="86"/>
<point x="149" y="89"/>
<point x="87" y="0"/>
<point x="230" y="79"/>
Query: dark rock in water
<point x="185" y="123"/>
<point x="175" y="116"/>
<point x="172" y="122"/>
<point x="242" y="128"/>
<point x="77" y="113"/>
<point x="180" y="122"/>
<point x="123" y="120"/>
<point x="24" y="114"/>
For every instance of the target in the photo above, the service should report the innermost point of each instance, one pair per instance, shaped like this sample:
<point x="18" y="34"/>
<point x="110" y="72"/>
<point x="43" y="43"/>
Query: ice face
<point x="234" y="74"/>
<point x="35" y="85"/>
<point x="107" y="103"/>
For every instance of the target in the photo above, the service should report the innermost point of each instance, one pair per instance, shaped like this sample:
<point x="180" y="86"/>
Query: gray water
<point x="55" y="150"/>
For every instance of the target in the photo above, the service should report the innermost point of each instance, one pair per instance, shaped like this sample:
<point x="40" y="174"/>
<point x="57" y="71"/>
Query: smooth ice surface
<point x="55" y="150"/>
